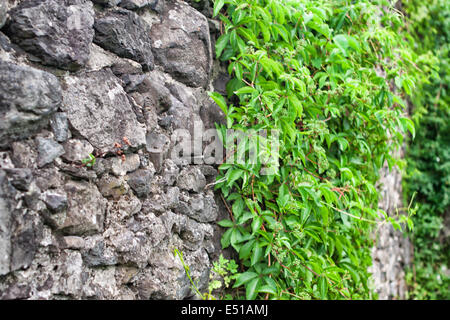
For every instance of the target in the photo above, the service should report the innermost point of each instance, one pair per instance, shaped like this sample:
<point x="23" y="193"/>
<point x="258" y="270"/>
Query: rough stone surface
<point x="106" y="231"/>
<point x="58" y="32"/>
<point x="138" y="4"/>
<point x="181" y="44"/>
<point x="60" y="126"/>
<point x="98" y="108"/>
<point x="48" y="150"/>
<point x="27" y="98"/>
<point x="393" y="251"/>
<point x="126" y="34"/>
<point x="3" y="11"/>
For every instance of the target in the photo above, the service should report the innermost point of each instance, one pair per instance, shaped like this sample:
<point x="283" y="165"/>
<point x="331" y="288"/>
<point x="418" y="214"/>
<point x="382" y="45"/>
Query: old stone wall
<point x="392" y="251"/>
<point x="116" y="80"/>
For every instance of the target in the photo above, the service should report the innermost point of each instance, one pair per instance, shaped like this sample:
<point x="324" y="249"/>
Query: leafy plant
<point x="89" y="162"/>
<point x="428" y="170"/>
<point x="319" y="75"/>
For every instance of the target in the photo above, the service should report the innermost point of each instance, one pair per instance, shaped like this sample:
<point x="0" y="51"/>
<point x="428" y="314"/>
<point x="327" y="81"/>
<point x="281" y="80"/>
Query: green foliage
<point x="90" y="161"/>
<point x="428" y="173"/>
<point x="222" y="273"/>
<point x="308" y="70"/>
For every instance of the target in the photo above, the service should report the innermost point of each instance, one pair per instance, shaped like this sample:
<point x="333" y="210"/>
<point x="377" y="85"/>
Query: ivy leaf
<point x="244" y="277"/>
<point x="219" y="100"/>
<point x="226" y="223"/>
<point x="221" y="43"/>
<point x="323" y="287"/>
<point x="251" y="289"/>
<point x="218" y="4"/>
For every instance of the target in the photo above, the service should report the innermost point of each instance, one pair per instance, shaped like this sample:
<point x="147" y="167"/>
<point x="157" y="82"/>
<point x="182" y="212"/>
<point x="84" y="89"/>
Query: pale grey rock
<point x="59" y="32"/>
<point x="55" y="200"/>
<point x="20" y="178"/>
<point x="121" y="168"/>
<point x="126" y="34"/>
<point x="27" y="98"/>
<point x="3" y="12"/>
<point x="158" y="147"/>
<point x="77" y="150"/>
<point x="140" y="181"/>
<point x="191" y="179"/>
<point x="112" y="187"/>
<point x="138" y="4"/>
<point x="74" y="242"/>
<point x="181" y="44"/>
<point x="85" y="210"/>
<point x="98" y="108"/>
<point x="108" y="3"/>
<point x="5" y="225"/>
<point x="5" y="161"/>
<point x="169" y="172"/>
<point x="60" y="126"/>
<point x="99" y="255"/>
<point x="48" y="150"/>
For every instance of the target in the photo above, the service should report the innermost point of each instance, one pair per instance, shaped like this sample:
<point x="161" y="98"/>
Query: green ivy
<point x="428" y="170"/>
<point x="320" y="73"/>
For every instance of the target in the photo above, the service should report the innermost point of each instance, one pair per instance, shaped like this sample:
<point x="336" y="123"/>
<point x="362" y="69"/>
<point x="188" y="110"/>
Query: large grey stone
<point x="5" y="225"/>
<point x="48" y="150"/>
<point x="60" y="126"/>
<point x="98" y="108"/>
<point x="181" y="44"/>
<point x="108" y="3"/>
<point x="140" y="181"/>
<point x="77" y="150"/>
<point x="191" y="179"/>
<point x="126" y="34"/>
<point x="3" y="11"/>
<point x="58" y="32"/>
<point x="27" y="98"/>
<point x="85" y="209"/>
<point x="138" y="4"/>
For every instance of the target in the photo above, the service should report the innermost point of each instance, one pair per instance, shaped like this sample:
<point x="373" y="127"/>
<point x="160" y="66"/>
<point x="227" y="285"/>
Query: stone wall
<point x="114" y="79"/>
<point x="392" y="251"/>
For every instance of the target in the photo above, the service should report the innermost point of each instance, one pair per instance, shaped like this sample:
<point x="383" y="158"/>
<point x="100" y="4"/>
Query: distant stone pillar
<point x="392" y="251"/>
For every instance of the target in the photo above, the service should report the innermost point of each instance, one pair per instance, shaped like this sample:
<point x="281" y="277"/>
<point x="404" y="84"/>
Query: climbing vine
<point x="428" y="171"/>
<point x="321" y="74"/>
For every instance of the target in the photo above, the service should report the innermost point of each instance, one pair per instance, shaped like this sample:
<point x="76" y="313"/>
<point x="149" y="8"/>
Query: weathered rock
<point x="126" y="34"/>
<point x="5" y="225"/>
<point x="181" y="44"/>
<point x="99" y="255"/>
<point x="60" y="126"/>
<point x="199" y="207"/>
<point x="191" y="179"/>
<point x="24" y="154"/>
<point x="25" y="238"/>
<point x="85" y="210"/>
<point x="119" y="167"/>
<point x="157" y="147"/>
<point x="3" y="11"/>
<point x="57" y="32"/>
<point x="137" y="4"/>
<point x="48" y="150"/>
<point x="109" y="3"/>
<point x="55" y="200"/>
<point x="27" y="97"/>
<point x="77" y="150"/>
<point x="169" y="172"/>
<point x="154" y="94"/>
<point x="98" y="108"/>
<point x="111" y="186"/>
<point x="140" y="181"/>
<point x="74" y="242"/>
<point x="20" y="178"/>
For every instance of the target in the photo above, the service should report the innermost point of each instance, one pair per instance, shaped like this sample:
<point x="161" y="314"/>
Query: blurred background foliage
<point x="427" y="177"/>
